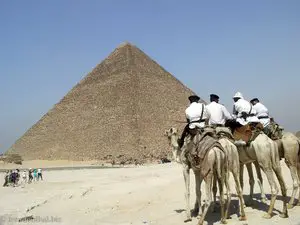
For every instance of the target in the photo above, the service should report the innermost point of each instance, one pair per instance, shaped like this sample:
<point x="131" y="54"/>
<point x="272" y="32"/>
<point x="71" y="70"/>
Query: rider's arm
<point x="227" y="115"/>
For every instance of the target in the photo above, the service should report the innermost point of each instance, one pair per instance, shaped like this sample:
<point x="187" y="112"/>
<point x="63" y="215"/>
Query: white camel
<point x="173" y="137"/>
<point x="264" y="152"/>
<point x="289" y="149"/>
<point x="213" y="166"/>
<point x="233" y="167"/>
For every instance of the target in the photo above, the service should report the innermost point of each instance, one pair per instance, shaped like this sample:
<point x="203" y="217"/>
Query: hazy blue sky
<point x="46" y="47"/>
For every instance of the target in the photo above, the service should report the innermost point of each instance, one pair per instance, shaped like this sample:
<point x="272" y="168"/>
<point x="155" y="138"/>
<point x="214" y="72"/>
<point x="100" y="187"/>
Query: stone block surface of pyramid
<point x="121" y="109"/>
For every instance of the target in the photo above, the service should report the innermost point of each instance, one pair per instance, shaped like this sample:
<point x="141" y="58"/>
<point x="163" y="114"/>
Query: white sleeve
<point x="227" y="115"/>
<point x="206" y="113"/>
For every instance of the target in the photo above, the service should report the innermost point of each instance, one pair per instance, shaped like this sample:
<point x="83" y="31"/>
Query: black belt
<point x="198" y="121"/>
<point x="244" y="116"/>
<point x="263" y="117"/>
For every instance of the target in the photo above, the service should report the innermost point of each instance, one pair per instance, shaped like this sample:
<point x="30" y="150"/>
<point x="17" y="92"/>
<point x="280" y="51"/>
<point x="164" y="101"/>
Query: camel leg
<point x="274" y="192"/>
<point x="295" y="178"/>
<point x="198" y="181"/>
<point x="215" y="189"/>
<point x="186" y="175"/>
<point x="298" y="170"/>
<point x="221" y="187"/>
<point x="242" y="175"/>
<point x="242" y="180"/>
<point x="208" y="187"/>
<point x="240" y="194"/>
<point x="260" y="182"/>
<point x="251" y="183"/>
<point x="228" y="194"/>
<point x="278" y="174"/>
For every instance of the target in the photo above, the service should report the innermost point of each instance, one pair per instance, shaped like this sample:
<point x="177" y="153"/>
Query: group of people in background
<point x="15" y="177"/>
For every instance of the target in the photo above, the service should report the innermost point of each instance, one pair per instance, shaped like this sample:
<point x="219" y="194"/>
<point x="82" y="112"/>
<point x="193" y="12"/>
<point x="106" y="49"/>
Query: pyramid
<point x="119" y="110"/>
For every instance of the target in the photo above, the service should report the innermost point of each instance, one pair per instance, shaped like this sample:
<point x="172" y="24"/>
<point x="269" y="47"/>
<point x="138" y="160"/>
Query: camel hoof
<point x="267" y="216"/>
<point x="223" y="221"/>
<point x="243" y="218"/>
<point x="283" y="215"/>
<point x="199" y="216"/>
<point x="290" y="206"/>
<point x="188" y="220"/>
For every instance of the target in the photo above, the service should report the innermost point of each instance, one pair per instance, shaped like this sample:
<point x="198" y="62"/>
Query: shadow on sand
<point x="215" y="217"/>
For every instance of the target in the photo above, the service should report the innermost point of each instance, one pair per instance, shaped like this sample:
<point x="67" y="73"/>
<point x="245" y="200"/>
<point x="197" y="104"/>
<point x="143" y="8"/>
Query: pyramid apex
<point x="126" y="43"/>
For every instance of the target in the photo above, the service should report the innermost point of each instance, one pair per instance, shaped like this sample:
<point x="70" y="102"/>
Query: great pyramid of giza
<point x="120" y="109"/>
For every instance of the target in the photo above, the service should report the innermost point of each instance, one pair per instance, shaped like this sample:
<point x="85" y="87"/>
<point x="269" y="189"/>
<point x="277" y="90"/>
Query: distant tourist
<point x="39" y="173"/>
<point x="14" y="177"/>
<point x="6" y="179"/>
<point x="24" y="178"/>
<point x="34" y="174"/>
<point x="30" y="176"/>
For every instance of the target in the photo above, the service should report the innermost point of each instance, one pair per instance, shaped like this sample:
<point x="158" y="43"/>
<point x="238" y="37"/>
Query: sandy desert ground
<point x="152" y="194"/>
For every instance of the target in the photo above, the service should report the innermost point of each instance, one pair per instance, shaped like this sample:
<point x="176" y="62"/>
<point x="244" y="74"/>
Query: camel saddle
<point x="248" y="132"/>
<point x="273" y="131"/>
<point x="222" y="132"/>
<point x="198" y="147"/>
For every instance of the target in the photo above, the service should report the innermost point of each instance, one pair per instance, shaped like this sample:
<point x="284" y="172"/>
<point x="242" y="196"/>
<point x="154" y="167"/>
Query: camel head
<point x="172" y="135"/>
<point x="171" y="132"/>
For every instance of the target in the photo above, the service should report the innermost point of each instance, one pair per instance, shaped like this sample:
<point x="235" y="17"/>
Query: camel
<point x="233" y="167"/>
<point x="213" y="166"/>
<point x="289" y="149"/>
<point x="264" y="153"/>
<point x="173" y="137"/>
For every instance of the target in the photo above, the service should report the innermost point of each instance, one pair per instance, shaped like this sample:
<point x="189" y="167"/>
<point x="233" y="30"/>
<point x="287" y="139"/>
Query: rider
<point x="218" y="113"/>
<point x="243" y="111"/>
<point x="196" y="115"/>
<point x="271" y="128"/>
<point x="244" y="114"/>
<point x="262" y="112"/>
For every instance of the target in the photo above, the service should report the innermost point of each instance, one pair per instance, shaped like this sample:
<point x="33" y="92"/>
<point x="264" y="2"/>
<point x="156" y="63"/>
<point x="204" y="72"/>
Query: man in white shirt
<point x="262" y="112"/>
<point x="243" y="114"/>
<point x="218" y="114"/>
<point x="243" y="111"/>
<point x="196" y="115"/>
<point x="271" y="128"/>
